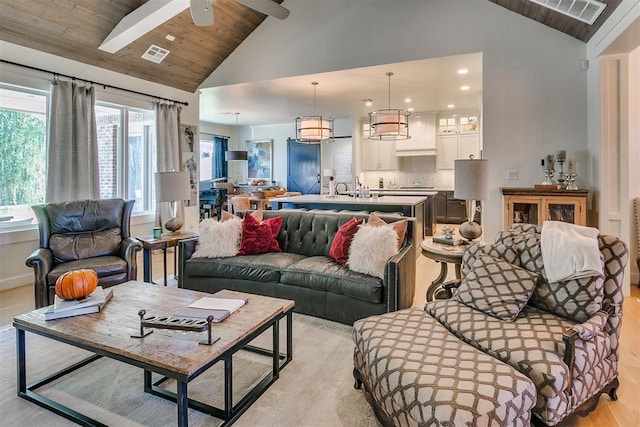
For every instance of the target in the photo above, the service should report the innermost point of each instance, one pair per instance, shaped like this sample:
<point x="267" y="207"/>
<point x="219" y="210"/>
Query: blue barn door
<point x="303" y="167"/>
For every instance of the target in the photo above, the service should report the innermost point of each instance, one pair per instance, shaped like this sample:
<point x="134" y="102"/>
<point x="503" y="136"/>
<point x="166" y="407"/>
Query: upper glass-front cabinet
<point x="457" y="123"/>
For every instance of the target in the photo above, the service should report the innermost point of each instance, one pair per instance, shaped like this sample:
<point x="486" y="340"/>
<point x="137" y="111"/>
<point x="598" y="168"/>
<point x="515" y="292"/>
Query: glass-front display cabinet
<point x="534" y="206"/>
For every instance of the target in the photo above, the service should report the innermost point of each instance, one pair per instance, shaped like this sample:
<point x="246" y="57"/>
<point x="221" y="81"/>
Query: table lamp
<point x="471" y="183"/>
<point x="173" y="187"/>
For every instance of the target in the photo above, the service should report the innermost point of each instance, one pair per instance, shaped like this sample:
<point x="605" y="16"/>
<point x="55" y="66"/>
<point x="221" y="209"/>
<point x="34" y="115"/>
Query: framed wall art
<point x="260" y="159"/>
<point x="189" y="147"/>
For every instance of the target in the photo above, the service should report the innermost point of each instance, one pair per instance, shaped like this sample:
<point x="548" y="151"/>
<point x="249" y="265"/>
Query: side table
<point x="443" y="254"/>
<point x="163" y="242"/>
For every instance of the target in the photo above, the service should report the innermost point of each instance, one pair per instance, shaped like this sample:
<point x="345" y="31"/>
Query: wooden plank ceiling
<point x="75" y="28"/>
<point x="575" y="28"/>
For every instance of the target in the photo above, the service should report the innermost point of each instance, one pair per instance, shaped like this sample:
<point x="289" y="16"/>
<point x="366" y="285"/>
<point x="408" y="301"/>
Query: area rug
<point x="315" y="389"/>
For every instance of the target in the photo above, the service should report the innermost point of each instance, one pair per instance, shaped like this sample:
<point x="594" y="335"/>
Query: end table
<point x="163" y="242"/>
<point x="443" y="254"/>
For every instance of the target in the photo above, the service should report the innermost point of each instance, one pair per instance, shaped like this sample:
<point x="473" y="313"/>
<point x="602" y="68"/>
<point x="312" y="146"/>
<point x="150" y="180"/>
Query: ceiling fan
<point x="202" y="11"/>
<point x="156" y="12"/>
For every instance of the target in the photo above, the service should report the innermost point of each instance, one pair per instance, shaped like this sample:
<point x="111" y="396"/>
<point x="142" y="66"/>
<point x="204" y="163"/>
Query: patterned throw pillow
<point x="339" y="250"/>
<point x="260" y="237"/>
<point x="219" y="239"/>
<point x="576" y="299"/>
<point x="496" y="287"/>
<point x="496" y="250"/>
<point x="371" y="248"/>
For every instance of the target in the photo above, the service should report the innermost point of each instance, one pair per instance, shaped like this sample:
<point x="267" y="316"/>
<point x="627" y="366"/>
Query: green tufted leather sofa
<point x="304" y="273"/>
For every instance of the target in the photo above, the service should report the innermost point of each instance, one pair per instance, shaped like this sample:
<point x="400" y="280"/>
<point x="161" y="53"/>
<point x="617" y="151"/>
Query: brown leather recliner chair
<point x="92" y="234"/>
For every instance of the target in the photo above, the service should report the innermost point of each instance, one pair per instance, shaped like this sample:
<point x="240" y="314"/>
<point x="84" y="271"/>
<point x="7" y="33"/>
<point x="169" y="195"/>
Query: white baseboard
<point x="15" y="281"/>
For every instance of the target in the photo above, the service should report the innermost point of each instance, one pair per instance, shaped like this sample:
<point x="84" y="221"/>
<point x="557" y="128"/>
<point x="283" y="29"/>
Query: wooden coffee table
<point x="108" y="334"/>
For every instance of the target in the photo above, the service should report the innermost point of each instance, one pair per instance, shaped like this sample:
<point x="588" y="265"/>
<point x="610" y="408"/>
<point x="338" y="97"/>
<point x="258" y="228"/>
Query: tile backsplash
<point x="420" y="169"/>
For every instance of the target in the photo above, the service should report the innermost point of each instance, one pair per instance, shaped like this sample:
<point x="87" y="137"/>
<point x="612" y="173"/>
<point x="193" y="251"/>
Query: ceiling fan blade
<point x="267" y="7"/>
<point x="201" y="12"/>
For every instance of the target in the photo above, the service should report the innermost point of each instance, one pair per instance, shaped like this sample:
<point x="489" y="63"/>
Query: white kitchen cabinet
<point x="422" y="129"/>
<point x="458" y="138"/>
<point x="379" y="155"/>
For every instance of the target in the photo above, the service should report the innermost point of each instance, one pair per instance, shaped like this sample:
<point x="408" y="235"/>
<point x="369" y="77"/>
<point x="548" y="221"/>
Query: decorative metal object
<point x="176" y="323"/>
<point x="571" y="184"/>
<point x="548" y="177"/>
<point x="447" y="232"/>
<point x="562" y="178"/>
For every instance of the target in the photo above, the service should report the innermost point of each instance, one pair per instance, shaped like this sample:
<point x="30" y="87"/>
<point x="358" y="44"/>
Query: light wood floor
<point x="625" y="412"/>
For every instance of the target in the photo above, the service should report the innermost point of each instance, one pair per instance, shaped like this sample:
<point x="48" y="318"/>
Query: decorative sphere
<point x="174" y="224"/>
<point x="470" y="230"/>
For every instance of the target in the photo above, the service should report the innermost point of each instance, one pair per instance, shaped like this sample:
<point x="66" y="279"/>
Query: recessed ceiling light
<point x="410" y="109"/>
<point x="465" y="87"/>
<point x="368" y="102"/>
<point x="170" y="37"/>
<point x="407" y="100"/>
<point x="451" y="106"/>
<point x="463" y="71"/>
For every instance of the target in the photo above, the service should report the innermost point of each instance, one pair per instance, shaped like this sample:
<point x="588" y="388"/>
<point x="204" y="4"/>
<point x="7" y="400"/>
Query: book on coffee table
<point x="84" y="306"/>
<point x="219" y="308"/>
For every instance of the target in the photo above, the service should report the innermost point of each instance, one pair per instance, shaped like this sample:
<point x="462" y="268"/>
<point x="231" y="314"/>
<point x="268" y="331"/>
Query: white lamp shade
<point x="314" y="128"/>
<point x="389" y="124"/>
<point x="328" y="172"/>
<point x="471" y="179"/>
<point x="172" y="186"/>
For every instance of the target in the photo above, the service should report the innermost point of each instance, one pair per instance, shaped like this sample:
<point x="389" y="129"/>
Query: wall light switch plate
<point x="512" y="175"/>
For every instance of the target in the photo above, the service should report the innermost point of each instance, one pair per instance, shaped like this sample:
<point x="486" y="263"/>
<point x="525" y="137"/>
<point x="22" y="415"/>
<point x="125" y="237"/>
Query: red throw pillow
<point x="260" y="237"/>
<point x="339" y="250"/>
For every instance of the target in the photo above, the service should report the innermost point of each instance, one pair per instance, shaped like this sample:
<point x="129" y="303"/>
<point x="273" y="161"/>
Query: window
<point x="126" y="153"/>
<point x="126" y="163"/>
<point x="23" y="135"/>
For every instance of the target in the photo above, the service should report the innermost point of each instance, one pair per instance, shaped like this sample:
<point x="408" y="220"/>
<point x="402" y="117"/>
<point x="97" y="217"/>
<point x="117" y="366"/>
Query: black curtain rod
<point x="214" y="134"/>
<point x="92" y="82"/>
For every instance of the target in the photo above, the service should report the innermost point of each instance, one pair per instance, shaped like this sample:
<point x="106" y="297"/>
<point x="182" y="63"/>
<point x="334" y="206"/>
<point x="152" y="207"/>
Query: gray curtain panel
<point x="168" y="155"/>
<point x="72" y="152"/>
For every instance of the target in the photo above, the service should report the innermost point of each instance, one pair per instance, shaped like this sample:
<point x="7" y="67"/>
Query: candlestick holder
<point x="571" y="185"/>
<point x="548" y="177"/>
<point x="562" y="178"/>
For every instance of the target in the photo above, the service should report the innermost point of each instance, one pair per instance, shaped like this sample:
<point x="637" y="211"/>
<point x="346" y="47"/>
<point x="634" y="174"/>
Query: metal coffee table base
<point x="229" y="414"/>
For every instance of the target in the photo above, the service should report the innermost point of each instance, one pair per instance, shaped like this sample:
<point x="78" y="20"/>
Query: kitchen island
<point x="410" y="206"/>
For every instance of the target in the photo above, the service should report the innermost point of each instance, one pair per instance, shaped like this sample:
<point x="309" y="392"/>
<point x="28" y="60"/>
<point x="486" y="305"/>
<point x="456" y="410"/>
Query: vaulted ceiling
<point x="75" y="28"/>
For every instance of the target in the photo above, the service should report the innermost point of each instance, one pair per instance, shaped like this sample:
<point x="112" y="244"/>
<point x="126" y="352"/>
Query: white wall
<point x="17" y="245"/>
<point x="618" y="40"/>
<point x="534" y="98"/>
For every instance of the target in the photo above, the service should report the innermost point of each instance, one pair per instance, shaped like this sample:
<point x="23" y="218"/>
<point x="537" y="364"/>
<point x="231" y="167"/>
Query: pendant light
<point x="389" y="124"/>
<point x="314" y="129"/>
<point x="238" y="154"/>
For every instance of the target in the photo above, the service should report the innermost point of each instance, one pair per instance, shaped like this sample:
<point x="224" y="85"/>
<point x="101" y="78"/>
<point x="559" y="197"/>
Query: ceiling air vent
<point x="155" y="54"/>
<point x="583" y="10"/>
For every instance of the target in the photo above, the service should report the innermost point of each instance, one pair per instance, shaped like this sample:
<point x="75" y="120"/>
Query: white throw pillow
<point x="370" y="249"/>
<point x="218" y="239"/>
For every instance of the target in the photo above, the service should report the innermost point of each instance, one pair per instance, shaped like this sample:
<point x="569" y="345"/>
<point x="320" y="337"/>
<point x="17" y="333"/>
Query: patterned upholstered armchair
<point x="566" y="337"/>
<point x="562" y="337"/>
<point x="92" y="234"/>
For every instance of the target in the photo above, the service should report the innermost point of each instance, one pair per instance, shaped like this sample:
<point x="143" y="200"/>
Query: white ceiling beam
<point x="142" y="20"/>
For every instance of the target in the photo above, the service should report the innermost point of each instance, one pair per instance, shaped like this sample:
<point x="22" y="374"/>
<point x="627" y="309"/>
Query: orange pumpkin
<point x="76" y="284"/>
